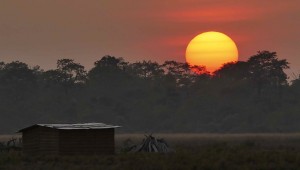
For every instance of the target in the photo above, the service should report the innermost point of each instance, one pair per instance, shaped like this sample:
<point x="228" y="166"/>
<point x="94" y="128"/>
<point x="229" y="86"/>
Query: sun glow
<point x="211" y="49"/>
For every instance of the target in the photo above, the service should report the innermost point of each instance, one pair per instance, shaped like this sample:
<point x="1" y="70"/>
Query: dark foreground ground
<point x="193" y="151"/>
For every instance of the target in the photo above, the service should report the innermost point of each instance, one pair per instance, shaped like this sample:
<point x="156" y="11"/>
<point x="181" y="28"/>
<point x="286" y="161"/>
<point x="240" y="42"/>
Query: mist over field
<point x="249" y="96"/>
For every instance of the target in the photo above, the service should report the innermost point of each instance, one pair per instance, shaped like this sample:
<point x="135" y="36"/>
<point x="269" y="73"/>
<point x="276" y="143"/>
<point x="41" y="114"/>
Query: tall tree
<point x="147" y="69"/>
<point x="106" y="67"/>
<point x="233" y="71"/>
<point x="17" y="71"/>
<point x="183" y="74"/>
<point x="2" y="65"/>
<point x="74" y="73"/>
<point x="68" y="74"/>
<point x="265" y="69"/>
<point x="178" y="72"/>
<point x="17" y="80"/>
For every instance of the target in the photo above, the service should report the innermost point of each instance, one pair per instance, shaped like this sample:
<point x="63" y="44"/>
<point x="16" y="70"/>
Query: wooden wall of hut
<point x="41" y="140"/>
<point x="49" y="141"/>
<point x="86" y="142"/>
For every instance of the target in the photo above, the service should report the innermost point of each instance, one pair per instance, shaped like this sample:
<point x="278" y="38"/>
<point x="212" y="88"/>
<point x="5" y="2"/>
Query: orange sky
<point x="40" y="32"/>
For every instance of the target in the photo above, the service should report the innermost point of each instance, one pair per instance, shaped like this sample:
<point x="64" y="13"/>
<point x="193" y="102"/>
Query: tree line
<point x="243" y="96"/>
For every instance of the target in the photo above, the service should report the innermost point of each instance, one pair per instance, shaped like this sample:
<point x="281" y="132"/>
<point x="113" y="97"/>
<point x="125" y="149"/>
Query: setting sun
<point x="212" y="50"/>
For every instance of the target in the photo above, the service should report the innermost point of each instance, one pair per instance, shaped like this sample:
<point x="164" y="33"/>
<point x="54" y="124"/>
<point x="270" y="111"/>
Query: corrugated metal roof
<point x="74" y="126"/>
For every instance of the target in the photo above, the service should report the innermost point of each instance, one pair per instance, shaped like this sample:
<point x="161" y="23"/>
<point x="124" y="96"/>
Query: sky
<point x="39" y="32"/>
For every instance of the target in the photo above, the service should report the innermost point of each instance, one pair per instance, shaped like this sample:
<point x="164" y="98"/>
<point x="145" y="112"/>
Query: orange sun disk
<point x="212" y="50"/>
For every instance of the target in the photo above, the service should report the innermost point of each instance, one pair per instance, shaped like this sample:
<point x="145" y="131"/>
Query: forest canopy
<point x="243" y="96"/>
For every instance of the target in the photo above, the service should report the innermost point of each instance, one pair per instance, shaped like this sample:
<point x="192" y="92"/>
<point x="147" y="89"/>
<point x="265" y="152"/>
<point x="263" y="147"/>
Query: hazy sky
<point x="39" y="32"/>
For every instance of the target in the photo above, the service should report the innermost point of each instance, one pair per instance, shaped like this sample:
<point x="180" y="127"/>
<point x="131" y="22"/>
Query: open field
<point x="4" y="138"/>
<point x="198" y="140"/>
<point x="193" y="151"/>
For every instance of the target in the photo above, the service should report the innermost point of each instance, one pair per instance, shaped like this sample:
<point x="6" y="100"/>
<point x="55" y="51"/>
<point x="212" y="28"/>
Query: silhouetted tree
<point x="68" y="74"/>
<point x="17" y="80"/>
<point x="176" y="96"/>
<point x="295" y="86"/>
<point x="2" y="65"/>
<point x="74" y="73"/>
<point x="233" y="71"/>
<point x="265" y="69"/>
<point x="111" y="63"/>
<point x="179" y="73"/>
<point x="106" y="68"/>
<point x="147" y="69"/>
<point x="53" y="77"/>
<point x="17" y="72"/>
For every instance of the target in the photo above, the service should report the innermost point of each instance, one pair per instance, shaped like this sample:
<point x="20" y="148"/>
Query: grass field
<point x="193" y="151"/>
<point x="198" y="140"/>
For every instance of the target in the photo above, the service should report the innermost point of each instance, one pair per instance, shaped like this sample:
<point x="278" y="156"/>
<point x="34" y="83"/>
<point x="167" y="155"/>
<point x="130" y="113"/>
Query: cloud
<point x="219" y="14"/>
<point x="228" y="11"/>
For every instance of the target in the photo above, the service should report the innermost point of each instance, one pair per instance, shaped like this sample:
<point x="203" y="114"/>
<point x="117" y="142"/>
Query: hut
<point x="69" y="139"/>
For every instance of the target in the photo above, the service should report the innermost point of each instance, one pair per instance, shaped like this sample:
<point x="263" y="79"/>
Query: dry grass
<point x="196" y="140"/>
<point x="193" y="151"/>
<point x="4" y="138"/>
<point x="200" y="139"/>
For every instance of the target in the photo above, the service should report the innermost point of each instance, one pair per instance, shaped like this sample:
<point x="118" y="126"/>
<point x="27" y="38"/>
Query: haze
<point x="40" y="32"/>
